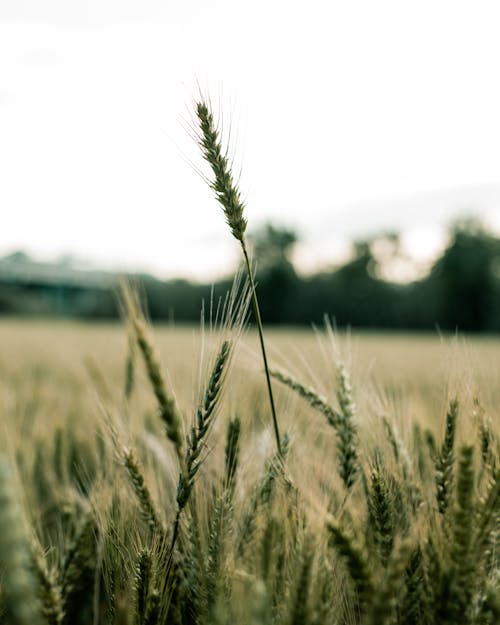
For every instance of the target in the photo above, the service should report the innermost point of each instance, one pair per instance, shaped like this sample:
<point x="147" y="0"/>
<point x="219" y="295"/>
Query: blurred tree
<point x="464" y="279"/>
<point x="358" y="296"/>
<point x="276" y="277"/>
<point x="273" y="245"/>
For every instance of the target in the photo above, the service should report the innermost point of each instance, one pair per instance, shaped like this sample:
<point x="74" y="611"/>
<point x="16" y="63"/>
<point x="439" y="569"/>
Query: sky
<point x="346" y="118"/>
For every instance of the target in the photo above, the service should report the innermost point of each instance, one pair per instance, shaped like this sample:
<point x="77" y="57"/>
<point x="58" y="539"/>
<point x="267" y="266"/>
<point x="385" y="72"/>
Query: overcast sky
<point x="348" y="117"/>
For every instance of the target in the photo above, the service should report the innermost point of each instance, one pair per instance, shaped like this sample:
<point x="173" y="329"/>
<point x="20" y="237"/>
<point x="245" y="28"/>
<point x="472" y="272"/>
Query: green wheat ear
<point x="445" y="459"/>
<point x="141" y="490"/>
<point x="232" y="452"/>
<point x="226" y="190"/>
<point x="144" y="575"/>
<point x="49" y="589"/>
<point x="341" y="420"/>
<point x="169" y="411"/>
<point x="347" y="444"/>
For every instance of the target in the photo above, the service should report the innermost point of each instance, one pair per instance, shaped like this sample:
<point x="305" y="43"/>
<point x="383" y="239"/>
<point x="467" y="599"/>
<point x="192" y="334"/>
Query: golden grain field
<point x="52" y="368"/>
<point x="358" y="515"/>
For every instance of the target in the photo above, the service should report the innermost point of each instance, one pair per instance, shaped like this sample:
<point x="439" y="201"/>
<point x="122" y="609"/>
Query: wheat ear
<point x="166" y="403"/>
<point x="138" y="482"/>
<point x="445" y="458"/>
<point x="315" y="400"/>
<point x="196" y="441"/>
<point x="143" y="582"/>
<point x="204" y="419"/>
<point x="232" y="452"/>
<point x="341" y="420"/>
<point x="49" y="592"/>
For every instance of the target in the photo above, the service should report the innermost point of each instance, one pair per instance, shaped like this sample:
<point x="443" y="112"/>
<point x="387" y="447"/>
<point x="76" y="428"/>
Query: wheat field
<point x="402" y="529"/>
<point x="221" y="475"/>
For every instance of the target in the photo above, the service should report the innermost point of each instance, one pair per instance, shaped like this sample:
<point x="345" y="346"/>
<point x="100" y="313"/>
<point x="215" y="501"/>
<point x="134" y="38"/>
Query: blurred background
<point x="367" y="135"/>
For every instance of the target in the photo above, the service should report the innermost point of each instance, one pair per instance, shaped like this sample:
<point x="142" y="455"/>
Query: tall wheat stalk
<point x="229" y="197"/>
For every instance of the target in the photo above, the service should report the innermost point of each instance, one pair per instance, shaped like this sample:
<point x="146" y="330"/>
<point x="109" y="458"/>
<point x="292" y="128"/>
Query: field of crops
<point x="156" y="478"/>
<point x="383" y="506"/>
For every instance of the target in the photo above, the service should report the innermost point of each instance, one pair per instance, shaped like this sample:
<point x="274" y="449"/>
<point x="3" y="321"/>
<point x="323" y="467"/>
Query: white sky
<point x="351" y="117"/>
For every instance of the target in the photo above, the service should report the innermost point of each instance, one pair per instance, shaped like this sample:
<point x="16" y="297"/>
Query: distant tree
<point x="465" y="280"/>
<point x="273" y="245"/>
<point x="358" y="296"/>
<point x="276" y="277"/>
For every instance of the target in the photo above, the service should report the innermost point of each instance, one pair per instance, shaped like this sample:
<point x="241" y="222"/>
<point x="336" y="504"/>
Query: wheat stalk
<point x="228" y="195"/>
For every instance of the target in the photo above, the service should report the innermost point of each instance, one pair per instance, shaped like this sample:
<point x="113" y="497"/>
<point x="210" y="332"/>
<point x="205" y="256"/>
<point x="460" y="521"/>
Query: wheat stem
<point x="229" y="197"/>
<point x="256" y="312"/>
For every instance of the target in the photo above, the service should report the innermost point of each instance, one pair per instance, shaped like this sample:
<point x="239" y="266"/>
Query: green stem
<point x="170" y="560"/>
<point x="256" y="312"/>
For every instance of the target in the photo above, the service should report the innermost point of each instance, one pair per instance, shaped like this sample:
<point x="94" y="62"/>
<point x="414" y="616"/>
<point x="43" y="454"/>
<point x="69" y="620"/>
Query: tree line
<point x="460" y="291"/>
